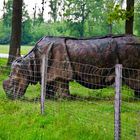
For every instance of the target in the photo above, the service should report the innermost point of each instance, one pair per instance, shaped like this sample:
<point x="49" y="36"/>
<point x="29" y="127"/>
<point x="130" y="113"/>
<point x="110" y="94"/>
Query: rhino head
<point x="15" y="86"/>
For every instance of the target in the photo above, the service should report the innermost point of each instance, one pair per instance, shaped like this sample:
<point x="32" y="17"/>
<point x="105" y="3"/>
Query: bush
<point x="4" y="34"/>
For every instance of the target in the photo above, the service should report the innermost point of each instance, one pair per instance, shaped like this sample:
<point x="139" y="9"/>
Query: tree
<point x="14" y="50"/>
<point x="77" y="12"/>
<point x="40" y="18"/>
<point x="115" y="13"/>
<point x="27" y="23"/>
<point x="42" y="9"/>
<point x="129" y="17"/>
<point x="54" y="8"/>
<point x="4" y="7"/>
<point x="137" y="18"/>
<point x="34" y="15"/>
<point x="96" y="22"/>
<point x="7" y="15"/>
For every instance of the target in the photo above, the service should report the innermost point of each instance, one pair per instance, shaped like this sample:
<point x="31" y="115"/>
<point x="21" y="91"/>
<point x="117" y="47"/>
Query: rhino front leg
<point x="57" y="89"/>
<point x="62" y="89"/>
<point x="50" y="90"/>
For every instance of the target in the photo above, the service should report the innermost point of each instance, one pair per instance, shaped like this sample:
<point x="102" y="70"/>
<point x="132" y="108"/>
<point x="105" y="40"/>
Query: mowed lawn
<point x="89" y="117"/>
<point x="24" y="49"/>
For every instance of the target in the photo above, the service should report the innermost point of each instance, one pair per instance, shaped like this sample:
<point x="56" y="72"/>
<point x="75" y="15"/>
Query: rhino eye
<point x="10" y="75"/>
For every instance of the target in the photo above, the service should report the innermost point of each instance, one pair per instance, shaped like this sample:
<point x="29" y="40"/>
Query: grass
<point x="24" y="49"/>
<point x="67" y="119"/>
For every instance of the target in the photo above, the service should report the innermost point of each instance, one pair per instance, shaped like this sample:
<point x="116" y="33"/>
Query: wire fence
<point x="82" y="98"/>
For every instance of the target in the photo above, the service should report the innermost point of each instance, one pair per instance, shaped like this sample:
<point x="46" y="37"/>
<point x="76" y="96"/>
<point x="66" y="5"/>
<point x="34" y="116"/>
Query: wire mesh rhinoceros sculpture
<point x="75" y="59"/>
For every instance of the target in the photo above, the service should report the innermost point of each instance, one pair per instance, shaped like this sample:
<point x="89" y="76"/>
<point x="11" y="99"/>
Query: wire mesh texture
<point x="130" y="102"/>
<point x="81" y="105"/>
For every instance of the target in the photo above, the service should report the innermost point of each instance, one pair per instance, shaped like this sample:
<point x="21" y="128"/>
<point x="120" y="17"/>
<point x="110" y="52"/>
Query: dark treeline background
<point x="77" y="18"/>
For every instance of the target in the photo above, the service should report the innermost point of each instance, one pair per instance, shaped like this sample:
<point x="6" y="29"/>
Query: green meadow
<point x="90" y="116"/>
<point x="24" y="49"/>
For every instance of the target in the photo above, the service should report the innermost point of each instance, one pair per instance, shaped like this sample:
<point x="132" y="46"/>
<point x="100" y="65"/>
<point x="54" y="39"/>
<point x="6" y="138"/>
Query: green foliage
<point x="4" y="33"/>
<point x="116" y="14"/>
<point x="53" y="4"/>
<point x="71" y="18"/>
<point x="52" y="29"/>
<point x="137" y="19"/>
<point x="38" y="32"/>
<point x="5" y="25"/>
<point x="7" y="17"/>
<point x="76" y="13"/>
<point x="27" y="36"/>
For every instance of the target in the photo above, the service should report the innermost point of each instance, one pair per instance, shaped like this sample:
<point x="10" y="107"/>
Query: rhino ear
<point x="45" y="48"/>
<point x="50" y="45"/>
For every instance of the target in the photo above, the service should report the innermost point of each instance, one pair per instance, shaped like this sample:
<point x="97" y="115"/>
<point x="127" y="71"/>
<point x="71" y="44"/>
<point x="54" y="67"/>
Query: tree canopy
<point x="70" y="18"/>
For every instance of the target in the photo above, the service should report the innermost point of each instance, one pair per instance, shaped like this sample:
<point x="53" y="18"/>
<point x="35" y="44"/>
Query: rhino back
<point x="129" y="51"/>
<point x="97" y="52"/>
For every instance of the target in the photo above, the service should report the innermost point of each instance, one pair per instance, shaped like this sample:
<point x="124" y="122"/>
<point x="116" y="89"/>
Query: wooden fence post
<point x="44" y="75"/>
<point x="118" y="86"/>
<point x="43" y="82"/>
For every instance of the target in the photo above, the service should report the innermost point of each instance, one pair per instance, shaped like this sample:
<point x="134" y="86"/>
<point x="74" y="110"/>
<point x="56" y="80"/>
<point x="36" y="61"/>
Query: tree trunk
<point x="83" y="19"/>
<point x="81" y="29"/>
<point x="14" y="50"/>
<point x="4" y="5"/>
<point x="130" y="20"/>
<point x="110" y="28"/>
<point x="34" y="17"/>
